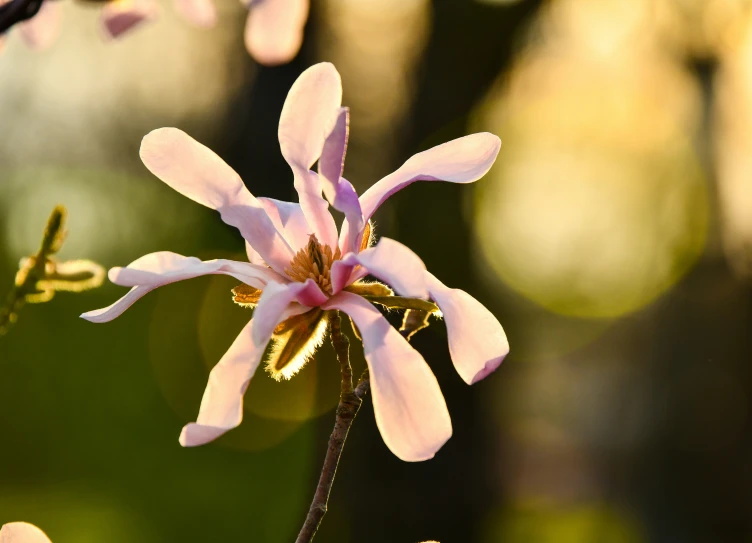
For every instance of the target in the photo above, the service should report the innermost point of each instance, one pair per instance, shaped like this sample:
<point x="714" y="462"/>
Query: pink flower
<point x="300" y="268"/>
<point x="273" y="30"/>
<point x="21" y="532"/>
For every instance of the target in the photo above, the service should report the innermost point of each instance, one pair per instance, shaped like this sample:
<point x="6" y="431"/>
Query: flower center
<point x="314" y="261"/>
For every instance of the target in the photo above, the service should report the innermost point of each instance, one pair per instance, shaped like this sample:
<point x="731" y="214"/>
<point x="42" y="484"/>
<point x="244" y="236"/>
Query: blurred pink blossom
<point x="21" y="532"/>
<point x="300" y="265"/>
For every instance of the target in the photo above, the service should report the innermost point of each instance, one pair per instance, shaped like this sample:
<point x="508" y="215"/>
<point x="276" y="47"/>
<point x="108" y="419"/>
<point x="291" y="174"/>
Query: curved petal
<point x="477" y="342"/>
<point x="113" y="311"/>
<point x="390" y="261"/>
<point x="158" y="269"/>
<point x="462" y="160"/>
<point x="274" y="30"/>
<point x="289" y="219"/>
<point x="199" y="174"/>
<point x="222" y="404"/>
<point x="338" y="190"/>
<point x="309" y="114"/>
<point x="410" y="410"/>
<point x="275" y="300"/>
<point x="121" y="16"/>
<point x="308" y="117"/>
<point x="42" y="30"/>
<point x="22" y="532"/>
<point x="201" y="13"/>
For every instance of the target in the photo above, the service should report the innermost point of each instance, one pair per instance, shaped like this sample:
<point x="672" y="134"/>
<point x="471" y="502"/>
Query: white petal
<point x="410" y="410"/>
<point x="22" y="532"/>
<point x="274" y="30"/>
<point x="198" y="173"/>
<point x="477" y="341"/>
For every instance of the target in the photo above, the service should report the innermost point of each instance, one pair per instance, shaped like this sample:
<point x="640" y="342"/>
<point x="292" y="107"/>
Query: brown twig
<point x="27" y="279"/>
<point x="17" y="11"/>
<point x="350" y="401"/>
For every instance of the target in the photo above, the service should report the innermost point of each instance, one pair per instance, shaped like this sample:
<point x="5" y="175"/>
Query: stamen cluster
<point x="314" y="261"/>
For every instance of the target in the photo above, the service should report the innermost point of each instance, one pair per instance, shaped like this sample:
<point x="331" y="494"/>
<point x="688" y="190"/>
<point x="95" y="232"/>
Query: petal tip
<point x="490" y="367"/>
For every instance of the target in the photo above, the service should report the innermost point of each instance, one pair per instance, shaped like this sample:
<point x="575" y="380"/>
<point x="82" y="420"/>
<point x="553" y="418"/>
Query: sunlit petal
<point x="158" y="269"/>
<point x="410" y="410"/>
<point x="198" y="173"/>
<point x="462" y="160"/>
<point x="274" y="30"/>
<point x="21" y="532"/>
<point x="290" y="221"/>
<point x="275" y="300"/>
<point x="477" y="342"/>
<point x="390" y="261"/>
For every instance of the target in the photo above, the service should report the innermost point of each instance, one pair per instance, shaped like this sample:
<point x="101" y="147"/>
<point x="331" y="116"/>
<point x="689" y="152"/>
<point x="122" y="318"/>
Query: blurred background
<point x="613" y="240"/>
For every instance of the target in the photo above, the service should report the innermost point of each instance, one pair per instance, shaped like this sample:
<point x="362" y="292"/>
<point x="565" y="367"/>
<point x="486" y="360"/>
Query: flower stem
<point x="350" y="400"/>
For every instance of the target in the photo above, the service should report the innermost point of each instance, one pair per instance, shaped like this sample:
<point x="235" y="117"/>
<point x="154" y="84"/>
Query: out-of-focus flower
<point x="274" y="29"/>
<point x="300" y="269"/>
<point x="117" y="18"/>
<point x="21" y="532"/>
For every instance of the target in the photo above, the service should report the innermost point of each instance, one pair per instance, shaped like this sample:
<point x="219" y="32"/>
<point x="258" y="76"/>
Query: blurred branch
<point x="40" y="276"/>
<point x="17" y="11"/>
<point x="350" y="401"/>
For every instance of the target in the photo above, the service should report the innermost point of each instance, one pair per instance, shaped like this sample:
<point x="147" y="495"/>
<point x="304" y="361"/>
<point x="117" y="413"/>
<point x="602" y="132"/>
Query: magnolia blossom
<point x="273" y="30"/>
<point x="301" y="269"/>
<point x="21" y="532"/>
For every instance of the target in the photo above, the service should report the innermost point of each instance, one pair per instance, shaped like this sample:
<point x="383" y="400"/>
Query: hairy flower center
<point x="314" y="261"/>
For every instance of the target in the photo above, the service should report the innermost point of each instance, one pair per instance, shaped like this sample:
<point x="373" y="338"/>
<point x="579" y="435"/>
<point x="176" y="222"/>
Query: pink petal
<point x="21" y="532"/>
<point x="121" y="16"/>
<point x="463" y="160"/>
<point x="222" y="405"/>
<point x="310" y="112"/>
<point x="198" y="173"/>
<point x="339" y="191"/>
<point x="410" y="410"/>
<point x="477" y="341"/>
<point x="308" y="116"/>
<point x="289" y="220"/>
<point x="390" y="261"/>
<point x="276" y="299"/>
<point x="41" y="30"/>
<point x="113" y="311"/>
<point x="274" y="30"/>
<point x="199" y="12"/>
<point x="158" y="269"/>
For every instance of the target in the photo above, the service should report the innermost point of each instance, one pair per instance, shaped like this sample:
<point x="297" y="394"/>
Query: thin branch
<point x="17" y="11"/>
<point x="29" y="276"/>
<point x="349" y="403"/>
